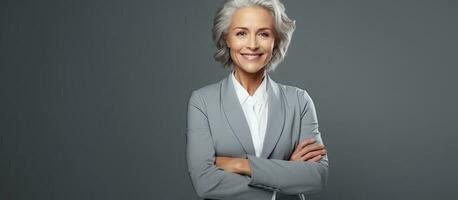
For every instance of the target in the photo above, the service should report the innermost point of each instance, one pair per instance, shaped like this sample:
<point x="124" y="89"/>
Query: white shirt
<point x="255" y="109"/>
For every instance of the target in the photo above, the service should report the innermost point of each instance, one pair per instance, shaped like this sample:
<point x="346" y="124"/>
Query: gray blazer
<point x="216" y="126"/>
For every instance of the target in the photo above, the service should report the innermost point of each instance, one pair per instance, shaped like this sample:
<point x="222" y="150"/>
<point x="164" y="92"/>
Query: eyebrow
<point x="244" y="28"/>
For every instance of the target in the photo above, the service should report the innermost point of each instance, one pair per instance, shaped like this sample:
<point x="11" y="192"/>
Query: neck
<point x="250" y="81"/>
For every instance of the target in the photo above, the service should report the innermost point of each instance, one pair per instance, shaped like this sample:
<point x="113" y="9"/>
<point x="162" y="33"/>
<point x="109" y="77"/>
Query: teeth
<point x="251" y="56"/>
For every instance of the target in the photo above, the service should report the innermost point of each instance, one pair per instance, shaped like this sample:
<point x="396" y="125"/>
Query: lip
<point x="251" y="56"/>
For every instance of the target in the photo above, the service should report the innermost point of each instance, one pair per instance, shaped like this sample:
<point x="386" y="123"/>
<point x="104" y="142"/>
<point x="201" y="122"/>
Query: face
<point x="251" y="39"/>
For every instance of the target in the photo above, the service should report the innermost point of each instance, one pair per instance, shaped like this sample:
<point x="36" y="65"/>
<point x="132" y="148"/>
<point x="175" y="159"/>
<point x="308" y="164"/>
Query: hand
<point x="308" y="150"/>
<point x="233" y="164"/>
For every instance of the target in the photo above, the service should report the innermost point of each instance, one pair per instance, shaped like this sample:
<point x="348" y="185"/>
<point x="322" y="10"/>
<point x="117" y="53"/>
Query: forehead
<point x="252" y="17"/>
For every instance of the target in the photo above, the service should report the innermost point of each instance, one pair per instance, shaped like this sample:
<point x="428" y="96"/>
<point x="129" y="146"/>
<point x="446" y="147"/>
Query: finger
<point x="310" y="148"/>
<point x="310" y="156"/>
<point x="316" y="158"/>
<point x="307" y="156"/>
<point x="314" y="154"/>
<point x="306" y="149"/>
<point x="296" y="157"/>
<point x="304" y="143"/>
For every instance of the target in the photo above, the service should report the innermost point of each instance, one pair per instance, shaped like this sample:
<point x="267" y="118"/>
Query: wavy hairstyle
<point x="284" y="28"/>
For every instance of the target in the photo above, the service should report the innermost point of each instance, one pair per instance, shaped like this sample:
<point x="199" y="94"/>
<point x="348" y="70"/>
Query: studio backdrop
<point x="94" y="95"/>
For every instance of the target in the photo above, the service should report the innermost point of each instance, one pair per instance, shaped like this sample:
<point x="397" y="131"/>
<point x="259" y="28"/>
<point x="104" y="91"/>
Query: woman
<point x="249" y="137"/>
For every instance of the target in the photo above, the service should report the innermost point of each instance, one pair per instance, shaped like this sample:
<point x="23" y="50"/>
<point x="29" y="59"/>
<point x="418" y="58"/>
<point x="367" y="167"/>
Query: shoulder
<point x="207" y="90"/>
<point x="204" y="94"/>
<point x="298" y="93"/>
<point x="296" y="96"/>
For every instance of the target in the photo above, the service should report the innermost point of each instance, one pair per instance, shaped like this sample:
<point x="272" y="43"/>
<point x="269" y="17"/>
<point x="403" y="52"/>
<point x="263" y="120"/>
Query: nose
<point x="252" y="43"/>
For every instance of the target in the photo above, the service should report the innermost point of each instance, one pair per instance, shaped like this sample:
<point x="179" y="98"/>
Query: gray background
<point x="94" y="93"/>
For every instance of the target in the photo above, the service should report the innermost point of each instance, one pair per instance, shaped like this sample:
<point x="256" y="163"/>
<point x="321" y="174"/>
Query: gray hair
<point x="284" y="27"/>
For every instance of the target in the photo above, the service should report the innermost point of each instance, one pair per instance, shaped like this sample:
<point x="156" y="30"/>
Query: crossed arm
<point x="252" y="177"/>
<point x="307" y="150"/>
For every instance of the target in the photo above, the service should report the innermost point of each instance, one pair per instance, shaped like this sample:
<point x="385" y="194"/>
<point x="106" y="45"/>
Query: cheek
<point x="236" y="45"/>
<point x="268" y="49"/>
<point x="234" y="51"/>
<point x="268" y="45"/>
<point x="234" y="54"/>
<point x="271" y="45"/>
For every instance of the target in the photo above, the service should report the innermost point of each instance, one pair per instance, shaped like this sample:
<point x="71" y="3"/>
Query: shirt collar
<point x="260" y="95"/>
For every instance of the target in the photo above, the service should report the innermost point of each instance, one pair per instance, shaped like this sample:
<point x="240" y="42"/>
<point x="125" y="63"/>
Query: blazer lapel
<point x="275" y="118"/>
<point x="238" y="123"/>
<point x="235" y="116"/>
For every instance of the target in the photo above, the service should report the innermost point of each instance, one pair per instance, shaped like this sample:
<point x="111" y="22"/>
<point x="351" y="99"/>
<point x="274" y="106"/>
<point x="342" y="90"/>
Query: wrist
<point x="243" y="167"/>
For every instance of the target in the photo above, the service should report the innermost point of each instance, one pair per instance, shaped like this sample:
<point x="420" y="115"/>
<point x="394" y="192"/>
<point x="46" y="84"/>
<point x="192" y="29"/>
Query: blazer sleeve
<point x="208" y="180"/>
<point x="293" y="177"/>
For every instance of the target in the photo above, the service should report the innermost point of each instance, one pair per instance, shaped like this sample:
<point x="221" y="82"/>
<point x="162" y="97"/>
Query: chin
<point x="252" y="67"/>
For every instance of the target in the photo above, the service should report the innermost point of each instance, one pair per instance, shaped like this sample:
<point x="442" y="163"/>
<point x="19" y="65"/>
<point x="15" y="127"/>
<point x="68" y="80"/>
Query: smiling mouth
<point x="251" y="56"/>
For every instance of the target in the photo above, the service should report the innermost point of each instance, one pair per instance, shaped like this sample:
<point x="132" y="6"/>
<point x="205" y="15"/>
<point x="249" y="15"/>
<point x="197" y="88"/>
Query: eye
<point x="264" y="34"/>
<point x="241" y="33"/>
